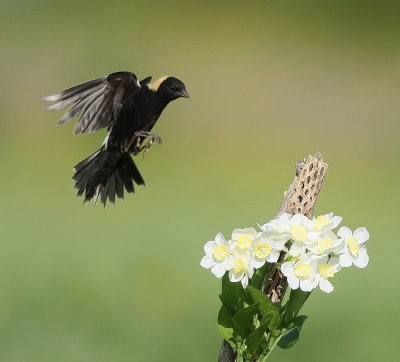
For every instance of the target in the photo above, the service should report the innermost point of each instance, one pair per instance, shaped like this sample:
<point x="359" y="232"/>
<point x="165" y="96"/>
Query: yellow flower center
<point x="220" y="252"/>
<point x="302" y="271"/>
<point x="326" y="271"/>
<point x="239" y="265"/>
<point x="324" y="245"/>
<point x="243" y="241"/>
<point x="262" y="250"/>
<point x="299" y="233"/>
<point x="321" y="222"/>
<point x="353" y="246"/>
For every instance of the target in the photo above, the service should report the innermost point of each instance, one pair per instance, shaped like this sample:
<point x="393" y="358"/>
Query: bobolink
<point x="129" y="109"/>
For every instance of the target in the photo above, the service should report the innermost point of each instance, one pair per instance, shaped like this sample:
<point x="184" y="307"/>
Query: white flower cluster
<point x="314" y="253"/>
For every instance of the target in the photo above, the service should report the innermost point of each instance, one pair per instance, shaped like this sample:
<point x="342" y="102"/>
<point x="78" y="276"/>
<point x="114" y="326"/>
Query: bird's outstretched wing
<point x="98" y="102"/>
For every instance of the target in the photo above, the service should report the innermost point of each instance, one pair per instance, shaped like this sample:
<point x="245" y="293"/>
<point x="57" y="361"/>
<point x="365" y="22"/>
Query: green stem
<point x="271" y="346"/>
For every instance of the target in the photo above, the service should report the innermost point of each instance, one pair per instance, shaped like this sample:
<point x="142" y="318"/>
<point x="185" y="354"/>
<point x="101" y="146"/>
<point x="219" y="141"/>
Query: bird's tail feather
<point x="106" y="174"/>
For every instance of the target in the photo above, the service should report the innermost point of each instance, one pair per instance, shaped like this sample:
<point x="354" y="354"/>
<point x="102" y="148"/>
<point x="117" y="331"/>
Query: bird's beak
<point x="183" y="93"/>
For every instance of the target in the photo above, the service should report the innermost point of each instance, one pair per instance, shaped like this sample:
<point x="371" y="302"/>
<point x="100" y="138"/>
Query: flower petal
<point x="257" y="263"/>
<point x="218" y="270"/>
<point x="362" y="260"/>
<point x="251" y="232"/>
<point x="308" y="223"/>
<point x="345" y="260"/>
<point x="279" y="244"/>
<point x="209" y="246"/>
<point x="293" y="282"/>
<point x="335" y="263"/>
<point x="306" y="285"/>
<point x="233" y="277"/>
<point x="344" y="232"/>
<point x="361" y="234"/>
<point x="287" y="269"/>
<point x="325" y="285"/>
<point x="329" y="234"/>
<point x="313" y="235"/>
<point x="336" y="220"/>
<point x="229" y="262"/>
<point x="298" y="219"/>
<point x="262" y="227"/>
<point x="273" y="256"/>
<point x="236" y="233"/>
<point x="219" y="239"/>
<point x="250" y="271"/>
<point x="284" y="217"/>
<point x="207" y="262"/>
<point x="296" y="248"/>
<point x="245" y="281"/>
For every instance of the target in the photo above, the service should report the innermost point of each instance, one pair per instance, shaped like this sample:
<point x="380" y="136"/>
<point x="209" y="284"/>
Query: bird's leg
<point x="143" y="135"/>
<point x="151" y="136"/>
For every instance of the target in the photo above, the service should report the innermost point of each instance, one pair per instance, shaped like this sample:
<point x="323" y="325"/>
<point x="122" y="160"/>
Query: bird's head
<point x="171" y="88"/>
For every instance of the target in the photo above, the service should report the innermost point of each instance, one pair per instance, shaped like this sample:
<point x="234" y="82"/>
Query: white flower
<point x="242" y="269"/>
<point x="314" y="252"/>
<point x="300" y="273"/>
<point x="297" y="228"/>
<point x="326" y="222"/>
<point x="354" y="252"/>
<point x="301" y="228"/>
<point x="267" y="247"/>
<point x="327" y="243"/>
<point x="280" y="225"/>
<point x="243" y="238"/>
<point x="311" y="271"/>
<point x="218" y="256"/>
<point x="296" y="249"/>
<point x="326" y="269"/>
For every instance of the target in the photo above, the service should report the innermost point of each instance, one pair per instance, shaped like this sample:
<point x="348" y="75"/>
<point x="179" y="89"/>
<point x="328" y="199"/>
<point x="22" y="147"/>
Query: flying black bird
<point x="129" y="109"/>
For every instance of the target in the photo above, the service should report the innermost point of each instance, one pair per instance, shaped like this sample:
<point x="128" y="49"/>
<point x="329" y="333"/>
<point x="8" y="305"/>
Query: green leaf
<point x="225" y="324"/>
<point x="258" y="277"/>
<point x="299" y="321"/>
<point x="254" y="338"/>
<point x="296" y="300"/>
<point x="243" y="319"/>
<point x="232" y="294"/>
<point x="256" y="296"/>
<point x="290" y="338"/>
<point x="267" y="318"/>
<point x="266" y="306"/>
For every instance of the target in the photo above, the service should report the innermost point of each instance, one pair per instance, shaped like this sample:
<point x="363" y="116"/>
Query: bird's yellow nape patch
<point x="155" y="85"/>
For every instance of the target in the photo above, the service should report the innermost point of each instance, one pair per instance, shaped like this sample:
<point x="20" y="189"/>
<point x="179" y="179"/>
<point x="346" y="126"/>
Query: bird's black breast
<point x="140" y="113"/>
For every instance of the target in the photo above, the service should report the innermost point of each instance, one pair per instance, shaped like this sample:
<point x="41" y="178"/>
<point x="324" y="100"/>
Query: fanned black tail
<point x="105" y="174"/>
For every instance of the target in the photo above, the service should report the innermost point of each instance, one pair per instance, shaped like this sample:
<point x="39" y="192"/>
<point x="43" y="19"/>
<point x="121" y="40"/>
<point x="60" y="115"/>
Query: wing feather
<point x="98" y="102"/>
<point x="100" y="119"/>
<point x="91" y="105"/>
<point x="119" y="186"/>
<point x="111" y="188"/>
<point x="80" y="88"/>
<point x="73" y="99"/>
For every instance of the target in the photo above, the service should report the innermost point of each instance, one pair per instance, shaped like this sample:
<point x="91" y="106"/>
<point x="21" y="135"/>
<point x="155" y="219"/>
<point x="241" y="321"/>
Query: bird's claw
<point x="151" y="138"/>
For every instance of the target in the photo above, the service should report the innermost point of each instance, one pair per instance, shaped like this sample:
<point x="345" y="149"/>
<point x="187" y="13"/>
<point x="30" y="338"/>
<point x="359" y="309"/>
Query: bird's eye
<point x="172" y="87"/>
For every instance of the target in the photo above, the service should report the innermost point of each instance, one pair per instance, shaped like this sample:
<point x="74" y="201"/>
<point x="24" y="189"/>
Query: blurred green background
<point x="270" y="82"/>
